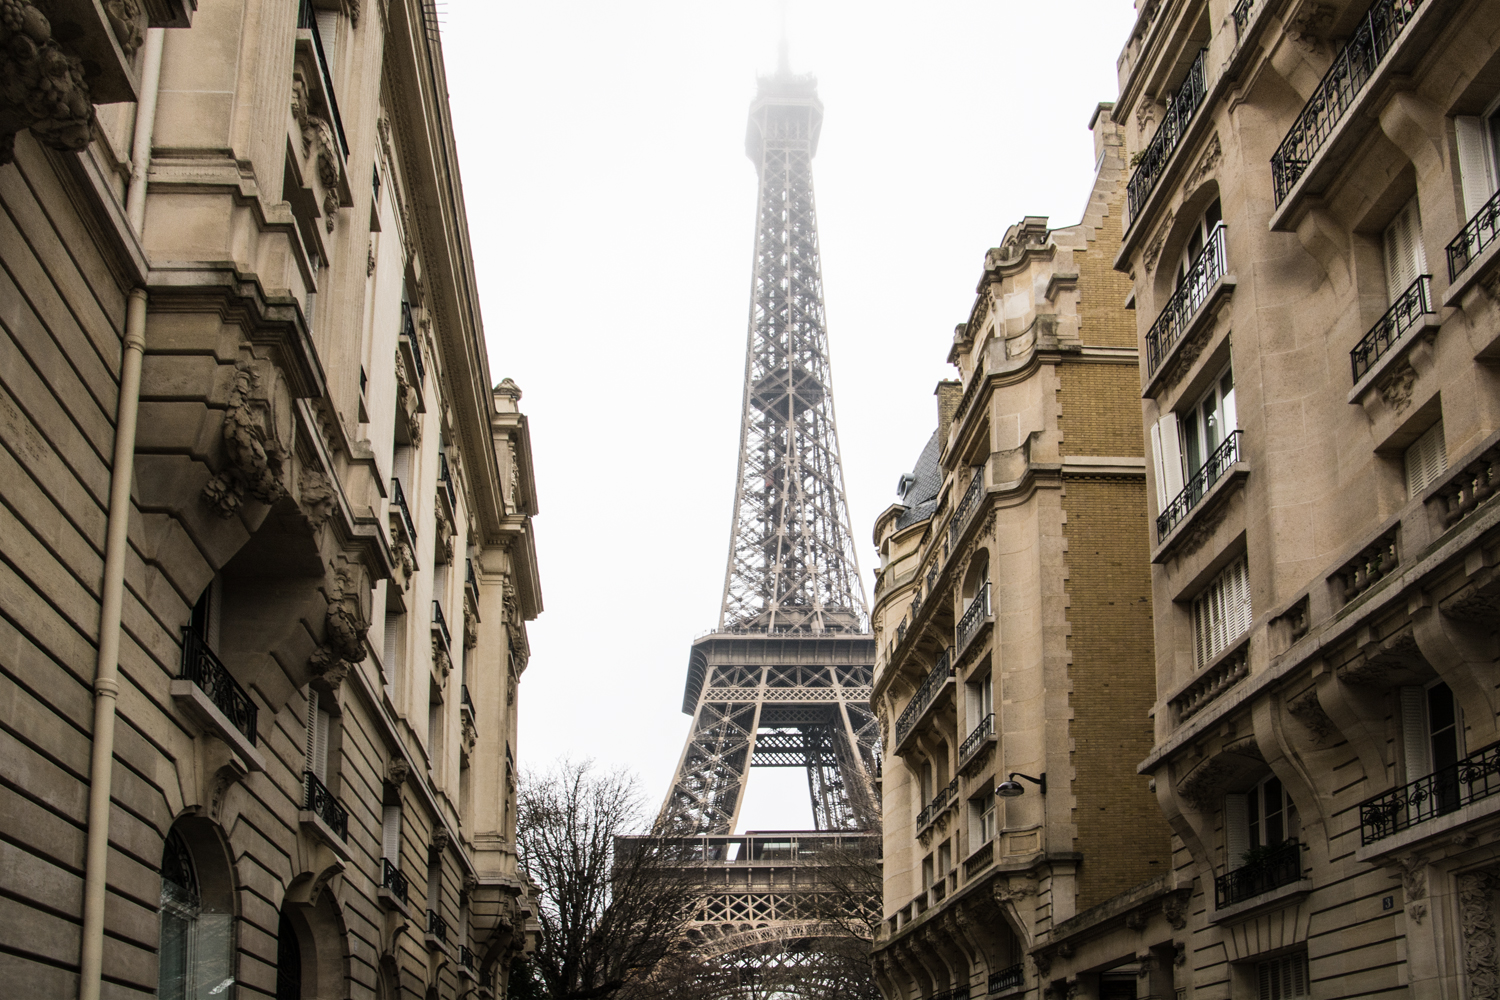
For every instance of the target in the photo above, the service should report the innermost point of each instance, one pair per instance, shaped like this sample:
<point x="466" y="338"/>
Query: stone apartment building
<point x="266" y="556"/>
<point x="1013" y="616"/>
<point x="1311" y="238"/>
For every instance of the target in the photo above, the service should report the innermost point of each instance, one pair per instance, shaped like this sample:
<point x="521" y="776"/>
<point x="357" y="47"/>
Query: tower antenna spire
<point x="783" y="50"/>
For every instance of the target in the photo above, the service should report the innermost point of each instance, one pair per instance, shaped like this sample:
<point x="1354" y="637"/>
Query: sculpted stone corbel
<point x="397" y="771"/>
<point x="1326" y="240"/>
<point x="1416" y="127"/>
<point x="1174" y="908"/>
<point x="407" y="401"/>
<point x="45" y="90"/>
<point x="1153" y="250"/>
<point x="345" y="626"/>
<point x="440" y="657"/>
<point x="257" y="437"/>
<point x="317" y="497"/>
<point x="438" y="844"/>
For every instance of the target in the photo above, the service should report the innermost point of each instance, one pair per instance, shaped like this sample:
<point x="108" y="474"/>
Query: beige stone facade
<point x="266" y="559"/>
<point x="1013" y="625"/>
<point x="1311" y="240"/>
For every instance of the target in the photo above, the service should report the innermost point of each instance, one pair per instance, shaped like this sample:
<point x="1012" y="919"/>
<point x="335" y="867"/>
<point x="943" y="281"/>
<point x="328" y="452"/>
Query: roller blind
<point x="390" y="835"/>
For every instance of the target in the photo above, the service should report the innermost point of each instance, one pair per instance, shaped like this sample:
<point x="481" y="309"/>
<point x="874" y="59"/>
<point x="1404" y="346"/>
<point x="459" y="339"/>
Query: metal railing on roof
<point x="1158" y="152"/>
<point x="1351" y="70"/>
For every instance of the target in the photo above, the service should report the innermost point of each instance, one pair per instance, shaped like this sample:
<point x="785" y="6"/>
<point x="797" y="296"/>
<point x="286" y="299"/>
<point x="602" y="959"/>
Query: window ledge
<point x="312" y="822"/>
<point x="1275" y="899"/>
<point x="1425" y="330"/>
<point x="1478" y="269"/>
<point x="391" y="901"/>
<point x="1192" y="333"/>
<point x="191" y="699"/>
<point x="1216" y="495"/>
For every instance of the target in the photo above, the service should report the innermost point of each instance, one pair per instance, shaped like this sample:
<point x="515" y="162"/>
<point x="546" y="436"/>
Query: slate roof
<point x="921" y="496"/>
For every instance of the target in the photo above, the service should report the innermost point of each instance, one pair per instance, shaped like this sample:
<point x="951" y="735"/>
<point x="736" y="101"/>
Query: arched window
<point x="196" y="953"/>
<point x="288" y="962"/>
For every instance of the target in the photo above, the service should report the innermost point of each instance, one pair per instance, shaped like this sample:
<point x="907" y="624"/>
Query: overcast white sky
<point x="612" y="208"/>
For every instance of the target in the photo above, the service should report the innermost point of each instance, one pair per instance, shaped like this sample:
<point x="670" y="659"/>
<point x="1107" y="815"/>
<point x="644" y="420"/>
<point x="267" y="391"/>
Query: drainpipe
<point x="107" y="670"/>
<point x="145" y="123"/>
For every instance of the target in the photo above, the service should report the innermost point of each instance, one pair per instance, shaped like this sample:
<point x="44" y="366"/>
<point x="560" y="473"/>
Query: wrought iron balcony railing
<point x="1211" y="265"/>
<point x="308" y="21"/>
<point x="1476" y="235"/>
<point x="321" y="803"/>
<point x="465" y="957"/>
<point x="925" y="694"/>
<point x="1413" y="304"/>
<point x="1158" y="152"/>
<point x="980" y="859"/>
<point x="1351" y="70"/>
<point x="1475" y="777"/>
<point x="398" y="501"/>
<point x="1241" y="14"/>
<point x="974" y="616"/>
<point x="939" y="802"/>
<point x="966" y="506"/>
<point x="1224" y="456"/>
<point x="467" y="703"/>
<point x="975" y="740"/>
<point x="409" y="329"/>
<point x="1274" y="867"/>
<point x="957" y="993"/>
<point x="391" y="879"/>
<point x="202" y="667"/>
<point x="471" y="582"/>
<point x="437" y="926"/>
<point x="1009" y="979"/>
<point x="445" y="480"/>
<point x="440" y="624"/>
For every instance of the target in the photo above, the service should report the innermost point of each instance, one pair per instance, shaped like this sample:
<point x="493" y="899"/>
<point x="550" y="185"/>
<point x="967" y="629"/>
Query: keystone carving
<point x="317" y="496"/>
<point x="255" y="431"/>
<point x="1395" y="386"/>
<point x="344" y="628"/>
<point x="439" y="844"/>
<point x="1413" y="876"/>
<point x="41" y="85"/>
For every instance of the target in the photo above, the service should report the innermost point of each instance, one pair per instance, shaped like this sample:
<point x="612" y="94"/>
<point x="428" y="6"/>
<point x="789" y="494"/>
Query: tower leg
<point x="709" y="787"/>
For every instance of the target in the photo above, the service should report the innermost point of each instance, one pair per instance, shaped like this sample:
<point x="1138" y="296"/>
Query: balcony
<point x="1477" y="236"/>
<point x="1007" y="980"/>
<point x="307" y="21"/>
<point x="467" y="703"/>
<point x="981" y="735"/>
<point x="979" y="861"/>
<point x="1378" y="31"/>
<point x="207" y="692"/>
<point x="957" y="993"/>
<point x="465" y="959"/>
<point x="1241" y="15"/>
<point x="409" y="331"/>
<point x="398" y="504"/>
<point x="1406" y="314"/>
<point x="1271" y="868"/>
<point x="440" y="626"/>
<point x="1176" y="317"/>
<point x="437" y="928"/>
<point x="1472" y="779"/>
<point x="445" y="482"/>
<point x="1224" y="457"/>
<point x="966" y="507"/>
<point x="924" y="697"/>
<point x="471" y="584"/>
<point x="940" y="802"/>
<point x="1158" y="153"/>
<point x="976" y="615"/>
<point x="321" y="811"/>
<point x="393" y="883"/>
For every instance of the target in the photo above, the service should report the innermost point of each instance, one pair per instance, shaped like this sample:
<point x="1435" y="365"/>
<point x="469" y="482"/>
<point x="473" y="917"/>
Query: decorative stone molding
<point x="397" y="771"/>
<point x="257" y="437"/>
<point x="1212" y="153"/>
<point x="438" y="844"/>
<point x="1308" y="711"/>
<point x="345" y="626"/>
<point x="1153" y="250"/>
<point x="1212" y="682"/>
<point x="1395" y="385"/>
<point x="44" y="88"/>
<point x="1476" y="907"/>
<point x="408" y="402"/>
<point x="471" y="629"/>
<point x="440" y="657"/>
<point x="317" y="497"/>
<point x="1175" y="907"/>
<point x="317" y="134"/>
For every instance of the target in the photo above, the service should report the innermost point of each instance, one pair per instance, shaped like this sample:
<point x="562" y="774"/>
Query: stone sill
<point x="1265" y="901"/>
<point x="1426" y="329"/>
<point x="1204" y="315"/>
<point x="1232" y="477"/>
<point x="1478" y="268"/>
<point x="312" y="822"/>
<point x="435" y="944"/>
<point x="468" y="973"/>
<point x="191" y="699"/>
<point x="1361" y="116"/>
<point x="1438" y="826"/>
<point x="391" y="901"/>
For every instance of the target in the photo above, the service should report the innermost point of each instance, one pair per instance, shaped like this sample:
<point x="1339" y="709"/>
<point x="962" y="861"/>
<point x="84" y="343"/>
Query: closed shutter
<point x="1222" y="613"/>
<point x="1426" y="459"/>
<point x="1416" y="748"/>
<point x="390" y="835"/>
<point x="1236" y="830"/>
<point x="328" y="35"/>
<point x="1405" y="258"/>
<point x="1283" y="978"/>
<point x="1166" y="453"/>
<point x="317" y="737"/>
<point x="392" y="650"/>
<point x="1475" y="170"/>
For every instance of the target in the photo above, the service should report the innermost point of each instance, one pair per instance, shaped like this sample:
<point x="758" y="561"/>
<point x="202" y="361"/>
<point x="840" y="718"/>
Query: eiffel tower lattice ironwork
<point x="784" y="681"/>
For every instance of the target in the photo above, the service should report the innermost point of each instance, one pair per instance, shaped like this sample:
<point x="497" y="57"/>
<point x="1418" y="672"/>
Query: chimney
<point x="949" y="392"/>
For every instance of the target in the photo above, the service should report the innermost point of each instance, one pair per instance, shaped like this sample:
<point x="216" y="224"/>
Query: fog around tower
<point x="612" y="214"/>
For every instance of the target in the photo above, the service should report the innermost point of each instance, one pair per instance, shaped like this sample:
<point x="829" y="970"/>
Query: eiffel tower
<point x="784" y="680"/>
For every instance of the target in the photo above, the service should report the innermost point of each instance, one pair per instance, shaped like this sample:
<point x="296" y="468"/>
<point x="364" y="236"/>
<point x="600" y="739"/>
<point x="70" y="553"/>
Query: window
<point x="393" y="652"/>
<point x="390" y="835"/>
<point x="944" y="858"/>
<point x="1182" y="445"/>
<point x="927" y="873"/>
<point x="1283" y="978"/>
<point x="1198" y="239"/>
<point x="1265" y="816"/>
<point x="1478" y="157"/>
<point x="1221" y="613"/>
<point x="1430" y="735"/>
<point x="981" y="701"/>
<point x="1405" y="258"/>
<point x="195" y="958"/>
<point x="1426" y="459"/>
<point x="984" y="819"/>
<point x="318" y="725"/>
<point x="288" y="961"/>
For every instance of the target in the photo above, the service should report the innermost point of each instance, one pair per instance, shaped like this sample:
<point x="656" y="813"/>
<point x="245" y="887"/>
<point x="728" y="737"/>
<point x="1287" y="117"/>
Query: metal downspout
<point x="145" y="124"/>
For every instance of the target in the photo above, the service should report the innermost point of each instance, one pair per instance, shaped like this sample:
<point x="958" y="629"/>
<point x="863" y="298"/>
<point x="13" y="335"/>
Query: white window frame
<point x="984" y="820"/>
<point x="1198" y="428"/>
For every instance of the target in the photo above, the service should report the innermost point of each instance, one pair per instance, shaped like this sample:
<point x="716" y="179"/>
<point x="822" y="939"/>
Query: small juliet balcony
<point x="1392" y="334"/>
<point x="975" y="617"/>
<point x="437" y="930"/>
<point x="1471" y="780"/>
<point x="413" y="344"/>
<point x="1268" y="869"/>
<point x="401" y="513"/>
<point x="938" y="679"/>
<point x="967" y="506"/>
<point x="394" y="890"/>
<point x="939" y="804"/>
<point x="1472" y="253"/>
<point x="442" y="641"/>
<point x="1186" y="311"/>
<point x="982" y="736"/>
<point x="1181" y="110"/>
<point x="323" y="815"/>
<point x="1199" y="489"/>
<point x="210" y="695"/>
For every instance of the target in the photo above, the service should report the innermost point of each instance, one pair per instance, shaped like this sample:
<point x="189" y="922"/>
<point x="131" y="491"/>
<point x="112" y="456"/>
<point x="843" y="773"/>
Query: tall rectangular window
<point x="318" y="723"/>
<point x="1478" y="155"/>
<point x="1221" y="613"/>
<point x="1405" y="257"/>
<point x="390" y="835"/>
<point x="1426" y="459"/>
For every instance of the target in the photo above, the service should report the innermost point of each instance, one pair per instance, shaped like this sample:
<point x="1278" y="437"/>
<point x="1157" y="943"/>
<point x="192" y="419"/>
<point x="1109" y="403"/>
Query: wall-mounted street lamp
<point x="1010" y="789"/>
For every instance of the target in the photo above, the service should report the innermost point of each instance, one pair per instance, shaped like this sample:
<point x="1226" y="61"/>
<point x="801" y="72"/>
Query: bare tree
<point x="611" y="909"/>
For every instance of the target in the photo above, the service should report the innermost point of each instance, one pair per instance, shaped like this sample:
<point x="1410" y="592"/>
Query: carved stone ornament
<point x="1012" y="890"/>
<point x="126" y="19"/>
<point x="471" y="630"/>
<point x="257" y="433"/>
<point x="1308" y="711"/>
<point x="370" y="259"/>
<point x="406" y="559"/>
<point x="1474" y="604"/>
<point x="397" y="771"/>
<point x="1136" y="921"/>
<point x="1145" y="117"/>
<point x="42" y="86"/>
<point x="1153" y="249"/>
<point x="1476" y="908"/>
<point x="345" y="626"/>
<point x="317" y="134"/>
<point x="317" y="497"/>
<point x="445" y="532"/>
<point x="407" y="402"/>
<point x="353" y="13"/>
<point x="470" y="736"/>
<point x="1212" y="153"/>
<point x="1174" y="908"/>
<point x="1179" y="953"/>
<point x="439" y="844"/>
<point x="1395" y="385"/>
<point x="1147" y="961"/>
<point x="1413" y="876"/>
<point x="1307" y="25"/>
<point x="440" y="657"/>
<point x="1043" y="963"/>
